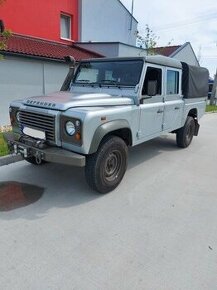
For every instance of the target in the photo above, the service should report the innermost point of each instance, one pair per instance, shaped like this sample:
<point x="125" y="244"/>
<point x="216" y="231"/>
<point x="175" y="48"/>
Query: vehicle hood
<point x="65" y="100"/>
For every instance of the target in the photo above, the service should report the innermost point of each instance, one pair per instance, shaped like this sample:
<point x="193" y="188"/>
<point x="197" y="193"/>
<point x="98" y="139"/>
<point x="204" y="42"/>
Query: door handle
<point x="177" y="108"/>
<point x="160" y="111"/>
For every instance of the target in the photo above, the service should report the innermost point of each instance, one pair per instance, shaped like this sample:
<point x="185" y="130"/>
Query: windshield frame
<point x="106" y="82"/>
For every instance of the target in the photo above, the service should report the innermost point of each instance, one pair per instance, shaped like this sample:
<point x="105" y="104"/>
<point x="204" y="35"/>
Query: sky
<point x="177" y="22"/>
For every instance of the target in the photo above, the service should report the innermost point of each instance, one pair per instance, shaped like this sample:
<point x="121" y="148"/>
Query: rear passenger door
<point x="173" y="100"/>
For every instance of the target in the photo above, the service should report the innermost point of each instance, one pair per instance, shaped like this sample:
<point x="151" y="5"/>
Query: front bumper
<point x="49" y="154"/>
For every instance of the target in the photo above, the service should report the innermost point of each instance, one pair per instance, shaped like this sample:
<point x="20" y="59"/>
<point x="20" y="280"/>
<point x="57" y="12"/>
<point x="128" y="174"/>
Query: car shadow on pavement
<point x="151" y="149"/>
<point x="61" y="186"/>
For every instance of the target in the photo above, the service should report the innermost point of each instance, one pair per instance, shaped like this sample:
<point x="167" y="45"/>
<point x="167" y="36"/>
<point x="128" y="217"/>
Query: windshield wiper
<point x="109" y="82"/>
<point x="102" y="82"/>
<point x="83" y="81"/>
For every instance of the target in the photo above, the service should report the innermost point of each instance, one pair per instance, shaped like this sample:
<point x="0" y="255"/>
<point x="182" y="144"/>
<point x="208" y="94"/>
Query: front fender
<point x="105" y="129"/>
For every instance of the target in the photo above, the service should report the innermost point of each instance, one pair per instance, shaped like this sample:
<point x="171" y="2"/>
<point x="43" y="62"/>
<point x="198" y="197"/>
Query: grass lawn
<point x="3" y="146"/>
<point x="211" y="108"/>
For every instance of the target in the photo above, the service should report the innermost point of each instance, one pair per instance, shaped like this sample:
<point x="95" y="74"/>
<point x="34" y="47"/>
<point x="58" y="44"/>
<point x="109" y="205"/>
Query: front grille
<point x="38" y="121"/>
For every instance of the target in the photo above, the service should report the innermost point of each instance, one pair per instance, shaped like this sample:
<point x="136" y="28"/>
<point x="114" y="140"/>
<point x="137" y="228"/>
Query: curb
<point x="12" y="158"/>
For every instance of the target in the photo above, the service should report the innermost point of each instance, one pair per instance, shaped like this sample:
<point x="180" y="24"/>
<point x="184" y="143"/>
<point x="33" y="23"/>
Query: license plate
<point x="34" y="133"/>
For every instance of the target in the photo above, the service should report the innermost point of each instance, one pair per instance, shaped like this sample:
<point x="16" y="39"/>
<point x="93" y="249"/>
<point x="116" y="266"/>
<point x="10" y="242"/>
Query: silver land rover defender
<point x="105" y="106"/>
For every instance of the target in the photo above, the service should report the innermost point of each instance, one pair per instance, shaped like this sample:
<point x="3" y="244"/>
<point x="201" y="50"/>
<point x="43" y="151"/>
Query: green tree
<point x="4" y="38"/>
<point x="4" y="35"/>
<point x="148" y="41"/>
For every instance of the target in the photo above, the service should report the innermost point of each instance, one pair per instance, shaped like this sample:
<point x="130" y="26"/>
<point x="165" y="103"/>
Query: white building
<point x="106" y="21"/>
<point x="183" y="52"/>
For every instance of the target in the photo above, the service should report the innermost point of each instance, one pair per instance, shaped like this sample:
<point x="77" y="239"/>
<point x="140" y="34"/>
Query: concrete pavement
<point x="156" y="231"/>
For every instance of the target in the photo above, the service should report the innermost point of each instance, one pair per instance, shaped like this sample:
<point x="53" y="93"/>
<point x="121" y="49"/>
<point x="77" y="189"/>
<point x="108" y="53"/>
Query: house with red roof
<point x="44" y="32"/>
<point x="33" y="66"/>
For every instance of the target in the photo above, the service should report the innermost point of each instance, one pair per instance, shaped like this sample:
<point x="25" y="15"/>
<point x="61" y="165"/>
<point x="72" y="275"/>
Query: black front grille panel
<point x="38" y="121"/>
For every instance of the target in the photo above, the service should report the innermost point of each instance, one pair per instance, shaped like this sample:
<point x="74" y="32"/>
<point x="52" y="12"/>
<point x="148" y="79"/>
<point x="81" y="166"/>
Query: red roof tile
<point x="31" y="46"/>
<point x="166" y="50"/>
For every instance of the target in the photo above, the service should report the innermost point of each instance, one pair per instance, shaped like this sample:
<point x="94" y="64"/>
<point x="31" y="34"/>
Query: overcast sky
<point x="179" y="21"/>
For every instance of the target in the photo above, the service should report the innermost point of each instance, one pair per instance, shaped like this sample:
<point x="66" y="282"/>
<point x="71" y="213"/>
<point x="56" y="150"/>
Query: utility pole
<point x="132" y="10"/>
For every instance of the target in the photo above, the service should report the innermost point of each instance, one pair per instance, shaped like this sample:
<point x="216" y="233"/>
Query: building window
<point x="65" y="26"/>
<point x="172" y="82"/>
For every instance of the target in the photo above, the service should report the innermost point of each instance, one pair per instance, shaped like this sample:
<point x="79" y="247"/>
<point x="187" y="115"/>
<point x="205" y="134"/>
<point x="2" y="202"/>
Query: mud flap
<point x="197" y="127"/>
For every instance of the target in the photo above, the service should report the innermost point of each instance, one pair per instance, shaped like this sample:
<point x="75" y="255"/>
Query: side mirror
<point x="152" y="88"/>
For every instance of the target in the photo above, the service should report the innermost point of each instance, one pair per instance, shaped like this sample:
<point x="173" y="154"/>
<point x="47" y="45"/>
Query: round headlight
<point x="70" y="128"/>
<point x="18" y="116"/>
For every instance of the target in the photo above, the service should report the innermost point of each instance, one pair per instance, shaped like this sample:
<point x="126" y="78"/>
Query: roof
<point x="155" y="59"/>
<point x="166" y="50"/>
<point x="30" y="46"/>
<point x="171" y="51"/>
<point x="163" y="60"/>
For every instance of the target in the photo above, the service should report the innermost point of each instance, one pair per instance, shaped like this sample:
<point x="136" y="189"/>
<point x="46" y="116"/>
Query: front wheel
<point x="106" y="168"/>
<point x="185" y="134"/>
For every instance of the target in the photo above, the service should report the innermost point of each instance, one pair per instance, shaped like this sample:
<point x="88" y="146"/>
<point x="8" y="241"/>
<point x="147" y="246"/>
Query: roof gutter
<point x="3" y="52"/>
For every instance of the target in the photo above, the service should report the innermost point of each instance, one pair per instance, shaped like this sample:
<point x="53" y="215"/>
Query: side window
<point x="65" y="26"/>
<point x="172" y="82"/>
<point x="153" y="75"/>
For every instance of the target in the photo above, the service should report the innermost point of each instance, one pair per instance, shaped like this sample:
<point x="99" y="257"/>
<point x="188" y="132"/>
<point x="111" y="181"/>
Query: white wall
<point x="105" y="49"/>
<point x="126" y="50"/>
<point x="21" y="77"/>
<point x="187" y="55"/>
<point x="114" y="49"/>
<point x="106" y="20"/>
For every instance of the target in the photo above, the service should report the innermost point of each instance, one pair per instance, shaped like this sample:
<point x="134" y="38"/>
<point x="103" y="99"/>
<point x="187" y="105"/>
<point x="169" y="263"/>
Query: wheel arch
<point x="119" y="128"/>
<point x="193" y="113"/>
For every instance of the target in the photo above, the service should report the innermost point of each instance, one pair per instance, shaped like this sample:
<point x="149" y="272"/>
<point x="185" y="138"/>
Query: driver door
<point x="152" y="103"/>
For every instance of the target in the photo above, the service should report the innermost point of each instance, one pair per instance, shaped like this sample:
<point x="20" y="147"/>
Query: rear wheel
<point x="185" y="134"/>
<point x="105" y="168"/>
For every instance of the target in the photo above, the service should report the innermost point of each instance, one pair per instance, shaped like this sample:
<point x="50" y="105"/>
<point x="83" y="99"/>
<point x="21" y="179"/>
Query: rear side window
<point x="172" y="82"/>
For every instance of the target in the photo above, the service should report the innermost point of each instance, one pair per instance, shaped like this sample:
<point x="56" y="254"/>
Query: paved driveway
<point x="157" y="230"/>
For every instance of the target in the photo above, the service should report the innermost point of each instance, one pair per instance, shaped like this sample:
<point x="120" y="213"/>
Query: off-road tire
<point x="105" y="169"/>
<point x="185" y="134"/>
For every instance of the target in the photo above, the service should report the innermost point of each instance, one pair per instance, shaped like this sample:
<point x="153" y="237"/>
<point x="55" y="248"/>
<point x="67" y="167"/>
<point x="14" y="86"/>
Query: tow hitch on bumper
<point x="49" y="154"/>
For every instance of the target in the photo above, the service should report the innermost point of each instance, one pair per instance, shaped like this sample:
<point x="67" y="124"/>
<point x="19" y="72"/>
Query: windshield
<point x="112" y="73"/>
